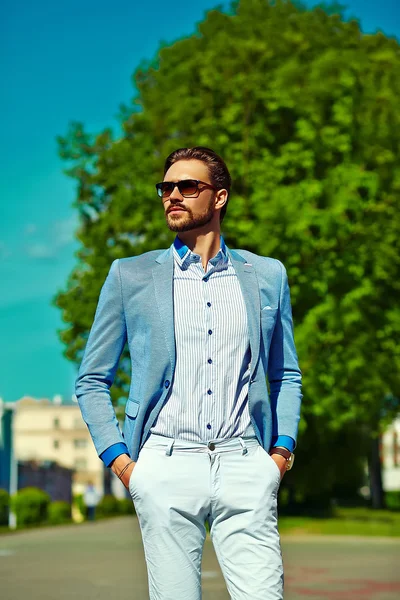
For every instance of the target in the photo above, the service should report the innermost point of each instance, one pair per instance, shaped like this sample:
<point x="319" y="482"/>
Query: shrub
<point x="392" y="500"/>
<point x="59" y="512"/>
<point x="126" y="506"/>
<point x="30" y="505"/>
<point x="80" y="504"/>
<point x="108" y="506"/>
<point x="4" y="505"/>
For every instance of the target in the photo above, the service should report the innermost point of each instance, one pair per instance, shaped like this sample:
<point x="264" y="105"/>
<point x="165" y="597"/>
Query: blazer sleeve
<point x="284" y="374"/>
<point x="96" y="374"/>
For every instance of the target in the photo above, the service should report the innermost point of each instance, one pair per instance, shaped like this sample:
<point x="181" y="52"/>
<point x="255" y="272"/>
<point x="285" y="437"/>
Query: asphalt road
<point x="104" y="561"/>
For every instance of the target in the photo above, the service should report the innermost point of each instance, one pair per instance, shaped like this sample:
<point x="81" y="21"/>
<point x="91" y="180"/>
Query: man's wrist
<point x="119" y="462"/>
<point x="282" y="451"/>
<point x="285" y="453"/>
<point x="108" y="455"/>
<point x="124" y="469"/>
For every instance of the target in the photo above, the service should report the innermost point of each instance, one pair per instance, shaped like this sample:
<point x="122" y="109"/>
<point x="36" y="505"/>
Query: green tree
<point x="304" y="108"/>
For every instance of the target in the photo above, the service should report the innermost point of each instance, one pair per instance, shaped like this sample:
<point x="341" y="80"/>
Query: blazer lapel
<point x="251" y="294"/>
<point x="163" y="277"/>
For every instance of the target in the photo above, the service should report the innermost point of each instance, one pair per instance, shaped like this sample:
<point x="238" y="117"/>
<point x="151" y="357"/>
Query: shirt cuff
<point x="112" y="452"/>
<point x="285" y="441"/>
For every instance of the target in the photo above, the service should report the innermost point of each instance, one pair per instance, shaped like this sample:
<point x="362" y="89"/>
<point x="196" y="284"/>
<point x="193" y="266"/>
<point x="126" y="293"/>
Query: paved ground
<point x="104" y="561"/>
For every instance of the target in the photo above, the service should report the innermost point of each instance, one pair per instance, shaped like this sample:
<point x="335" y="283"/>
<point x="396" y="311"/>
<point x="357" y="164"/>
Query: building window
<point x="81" y="464"/>
<point x="80" y="443"/>
<point x="56" y="443"/>
<point x="56" y="423"/>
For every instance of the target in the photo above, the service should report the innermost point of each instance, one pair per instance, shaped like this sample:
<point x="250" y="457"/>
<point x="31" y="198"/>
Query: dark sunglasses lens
<point x="188" y="187"/>
<point x="164" y="189"/>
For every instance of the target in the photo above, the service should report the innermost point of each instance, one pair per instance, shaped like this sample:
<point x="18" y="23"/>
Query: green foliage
<point x="349" y="521"/>
<point x="79" y="502"/>
<point x="304" y="108"/>
<point x="59" y="512"/>
<point x="392" y="500"/>
<point x="108" y="506"/>
<point x="4" y="505"/>
<point x="126" y="506"/>
<point x="30" y="505"/>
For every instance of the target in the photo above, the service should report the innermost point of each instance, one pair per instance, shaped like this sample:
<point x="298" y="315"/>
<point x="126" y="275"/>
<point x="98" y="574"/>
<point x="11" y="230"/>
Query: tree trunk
<point x="375" y="474"/>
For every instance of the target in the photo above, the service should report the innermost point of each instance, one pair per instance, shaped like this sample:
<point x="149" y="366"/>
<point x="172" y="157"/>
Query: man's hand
<point x="118" y="464"/>
<point x="281" y="463"/>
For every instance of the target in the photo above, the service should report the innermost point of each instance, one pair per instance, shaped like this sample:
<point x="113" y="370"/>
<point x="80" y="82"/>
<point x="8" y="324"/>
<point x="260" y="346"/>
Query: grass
<point x="346" y="521"/>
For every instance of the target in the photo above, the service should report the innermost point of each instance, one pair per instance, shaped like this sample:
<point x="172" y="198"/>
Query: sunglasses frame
<point x="182" y="181"/>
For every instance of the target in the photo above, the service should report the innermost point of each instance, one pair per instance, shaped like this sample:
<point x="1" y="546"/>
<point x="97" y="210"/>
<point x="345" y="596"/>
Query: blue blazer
<point x="136" y="306"/>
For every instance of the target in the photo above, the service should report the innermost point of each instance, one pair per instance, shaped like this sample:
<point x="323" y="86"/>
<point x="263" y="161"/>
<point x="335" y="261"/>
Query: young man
<point x="204" y="438"/>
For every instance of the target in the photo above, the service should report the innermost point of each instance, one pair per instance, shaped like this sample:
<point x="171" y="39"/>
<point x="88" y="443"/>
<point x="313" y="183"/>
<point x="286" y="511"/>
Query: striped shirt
<point x="209" y="396"/>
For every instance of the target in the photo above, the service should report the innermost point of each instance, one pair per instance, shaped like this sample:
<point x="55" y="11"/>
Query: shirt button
<point x="209" y="392"/>
<point x="210" y="331"/>
<point x="166" y="383"/>
<point x="208" y="303"/>
<point x="209" y="361"/>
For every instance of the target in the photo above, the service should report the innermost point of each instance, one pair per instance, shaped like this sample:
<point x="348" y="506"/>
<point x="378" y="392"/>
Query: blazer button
<point x="167" y="382"/>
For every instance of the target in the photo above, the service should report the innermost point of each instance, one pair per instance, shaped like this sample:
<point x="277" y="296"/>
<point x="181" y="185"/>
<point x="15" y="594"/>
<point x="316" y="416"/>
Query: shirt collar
<point x="184" y="256"/>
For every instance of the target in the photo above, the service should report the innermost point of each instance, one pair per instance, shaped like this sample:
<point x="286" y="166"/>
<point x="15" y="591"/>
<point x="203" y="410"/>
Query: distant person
<point x="91" y="499"/>
<point x="204" y="439"/>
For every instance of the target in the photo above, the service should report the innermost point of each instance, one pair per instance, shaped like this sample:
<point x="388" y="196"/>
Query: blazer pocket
<point x="132" y="408"/>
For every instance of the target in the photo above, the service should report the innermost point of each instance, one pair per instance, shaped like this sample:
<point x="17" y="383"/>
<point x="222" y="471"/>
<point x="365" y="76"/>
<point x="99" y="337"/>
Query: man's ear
<point x="221" y="198"/>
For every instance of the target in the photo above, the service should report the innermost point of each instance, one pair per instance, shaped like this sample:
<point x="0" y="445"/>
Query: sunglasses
<point x="187" y="187"/>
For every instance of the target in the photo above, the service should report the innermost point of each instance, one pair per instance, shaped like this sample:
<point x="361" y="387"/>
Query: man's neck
<point x="206" y="245"/>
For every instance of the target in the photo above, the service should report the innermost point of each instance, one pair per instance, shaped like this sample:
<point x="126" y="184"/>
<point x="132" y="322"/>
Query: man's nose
<point x="175" y="195"/>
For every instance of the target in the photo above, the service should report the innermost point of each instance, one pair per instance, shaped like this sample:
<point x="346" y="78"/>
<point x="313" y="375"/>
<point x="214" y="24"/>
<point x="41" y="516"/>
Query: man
<point x="91" y="500"/>
<point x="204" y="439"/>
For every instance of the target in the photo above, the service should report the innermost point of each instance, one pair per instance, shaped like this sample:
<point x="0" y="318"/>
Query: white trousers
<point x="177" y="485"/>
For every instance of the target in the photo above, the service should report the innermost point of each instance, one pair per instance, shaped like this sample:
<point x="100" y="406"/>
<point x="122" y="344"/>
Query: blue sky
<point x="63" y="61"/>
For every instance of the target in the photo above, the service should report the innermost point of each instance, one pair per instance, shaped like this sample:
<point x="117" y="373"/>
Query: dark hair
<point x="217" y="169"/>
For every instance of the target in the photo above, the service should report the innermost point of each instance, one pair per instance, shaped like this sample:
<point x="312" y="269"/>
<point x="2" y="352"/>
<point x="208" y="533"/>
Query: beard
<point x="188" y="221"/>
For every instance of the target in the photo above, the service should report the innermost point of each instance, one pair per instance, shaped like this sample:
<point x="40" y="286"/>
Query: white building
<point x="54" y="430"/>
<point x="390" y="452"/>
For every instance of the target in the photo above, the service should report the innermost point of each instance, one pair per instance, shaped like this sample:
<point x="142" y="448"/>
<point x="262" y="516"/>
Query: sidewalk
<point x="104" y="560"/>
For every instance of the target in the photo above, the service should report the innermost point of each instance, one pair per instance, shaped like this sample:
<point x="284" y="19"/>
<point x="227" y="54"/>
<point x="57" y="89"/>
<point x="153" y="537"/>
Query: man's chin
<point x="187" y="223"/>
<point x="181" y="227"/>
<point x="178" y="225"/>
